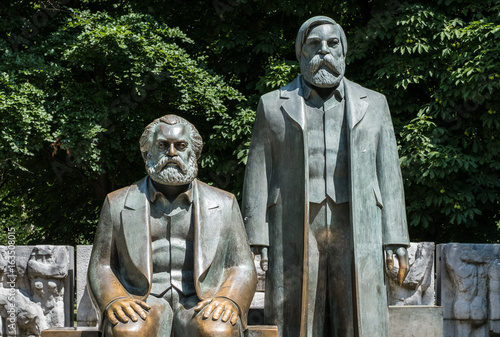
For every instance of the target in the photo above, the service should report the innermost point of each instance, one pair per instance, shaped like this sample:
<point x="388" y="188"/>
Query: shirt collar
<point x="152" y="193"/>
<point x="309" y="90"/>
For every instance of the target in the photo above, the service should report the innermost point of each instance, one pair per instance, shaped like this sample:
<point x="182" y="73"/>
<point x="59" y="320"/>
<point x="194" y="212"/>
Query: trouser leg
<point x="330" y="278"/>
<point x="339" y="270"/>
<point x="316" y="287"/>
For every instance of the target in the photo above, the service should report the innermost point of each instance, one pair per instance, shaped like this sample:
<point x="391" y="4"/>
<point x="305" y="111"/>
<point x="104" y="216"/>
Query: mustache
<point x="328" y="60"/>
<point x="165" y="160"/>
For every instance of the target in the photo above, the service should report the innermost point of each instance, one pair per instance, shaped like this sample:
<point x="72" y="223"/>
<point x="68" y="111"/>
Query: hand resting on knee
<point x="124" y="308"/>
<point x="219" y="307"/>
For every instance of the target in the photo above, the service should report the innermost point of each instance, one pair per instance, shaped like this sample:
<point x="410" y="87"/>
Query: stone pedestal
<point x="415" y="321"/>
<point x="252" y="331"/>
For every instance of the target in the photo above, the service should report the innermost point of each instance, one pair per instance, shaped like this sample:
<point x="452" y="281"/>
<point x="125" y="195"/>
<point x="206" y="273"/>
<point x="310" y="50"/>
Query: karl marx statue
<point x="323" y="196"/>
<point x="170" y="255"/>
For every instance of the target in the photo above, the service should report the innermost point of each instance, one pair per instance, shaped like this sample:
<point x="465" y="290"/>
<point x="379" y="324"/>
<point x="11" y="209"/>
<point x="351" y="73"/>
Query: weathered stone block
<point x="86" y="314"/>
<point x="36" y="288"/>
<point x="415" y="321"/>
<point x="468" y="288"/>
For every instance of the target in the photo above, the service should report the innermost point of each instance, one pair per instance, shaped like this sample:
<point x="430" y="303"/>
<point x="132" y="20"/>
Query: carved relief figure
<point x="323" y="196"/>
<point x="47" y="269"/>
<point x="170" y="254"/>
<point x="418" y="286"/>
<point x="469" y="302"/>
<point x="20" y="316"/>
<point x="470" y="289"/>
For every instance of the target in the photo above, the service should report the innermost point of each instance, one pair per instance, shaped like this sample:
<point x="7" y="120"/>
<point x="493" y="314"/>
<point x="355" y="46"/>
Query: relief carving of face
<point x="322" y="61"/>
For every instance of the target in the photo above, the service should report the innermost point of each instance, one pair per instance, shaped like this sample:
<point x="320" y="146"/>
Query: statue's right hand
<point x="124" y="308"/>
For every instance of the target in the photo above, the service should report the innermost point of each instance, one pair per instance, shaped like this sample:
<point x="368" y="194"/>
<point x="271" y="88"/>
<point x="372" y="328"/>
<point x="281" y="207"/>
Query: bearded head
<point x="171" y="146"/>
<point x="320" y="47"/>
<point x="323" y="71"/>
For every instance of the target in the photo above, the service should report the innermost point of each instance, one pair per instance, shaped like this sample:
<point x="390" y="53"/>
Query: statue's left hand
<point x="219" y="307"/>
<point x="402" y="255"/>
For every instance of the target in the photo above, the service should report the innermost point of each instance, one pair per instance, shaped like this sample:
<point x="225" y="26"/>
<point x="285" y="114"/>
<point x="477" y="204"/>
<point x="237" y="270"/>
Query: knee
<point x="158" y="322"/>
<point x="211" y="328"/>
<point x="129" y="329"/>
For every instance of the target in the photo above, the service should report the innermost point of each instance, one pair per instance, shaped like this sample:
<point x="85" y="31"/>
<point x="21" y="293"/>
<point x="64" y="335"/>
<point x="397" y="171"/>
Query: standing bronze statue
<point x="170" y="255"/>
<point x="323" y="196"/>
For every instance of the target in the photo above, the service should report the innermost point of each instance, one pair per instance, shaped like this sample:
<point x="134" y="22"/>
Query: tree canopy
<point x="80" y="79"/>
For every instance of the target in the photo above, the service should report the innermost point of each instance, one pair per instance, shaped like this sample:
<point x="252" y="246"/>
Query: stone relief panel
<point x="418" y="287"/>
<point x="36" y="289"/>
<point x="469" y="289"/>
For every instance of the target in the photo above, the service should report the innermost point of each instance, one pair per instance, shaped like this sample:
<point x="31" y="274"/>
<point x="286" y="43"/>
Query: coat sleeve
<point x="394" y="226"/>
<point x="255" y="187"/>
<point x="103" y="285"/>
<point x="240" y="277"/>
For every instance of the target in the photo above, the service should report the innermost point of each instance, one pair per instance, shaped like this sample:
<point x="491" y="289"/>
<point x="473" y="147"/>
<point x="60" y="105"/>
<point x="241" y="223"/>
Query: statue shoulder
<point x="275" y="96"/>
<point x="213" y="193"/>
<point x="372" y="96"/>
<point x="270" y="98"/>
<point x="118" y="197"/>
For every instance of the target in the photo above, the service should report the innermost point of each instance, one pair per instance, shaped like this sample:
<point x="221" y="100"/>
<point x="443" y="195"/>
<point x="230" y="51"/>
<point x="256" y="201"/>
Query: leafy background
<point x="79" y="80"/>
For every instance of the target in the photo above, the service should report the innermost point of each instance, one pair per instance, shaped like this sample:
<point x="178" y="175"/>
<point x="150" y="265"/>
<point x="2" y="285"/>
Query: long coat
<point x="275" y="204"/>
<point x="121" y="264"/>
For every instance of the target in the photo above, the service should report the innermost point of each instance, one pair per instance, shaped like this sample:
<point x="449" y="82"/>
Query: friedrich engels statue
<point x="323" y="196"/>
<point x="170" y="255"/>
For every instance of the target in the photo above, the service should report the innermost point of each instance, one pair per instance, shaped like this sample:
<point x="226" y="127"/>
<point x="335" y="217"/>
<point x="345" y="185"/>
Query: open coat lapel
<point x="355" y="104"/>
<point x="294" y="107"/>
<point x="207" y="224"/>
<point x="293" y="104"/>
<point x="136" y="229"/>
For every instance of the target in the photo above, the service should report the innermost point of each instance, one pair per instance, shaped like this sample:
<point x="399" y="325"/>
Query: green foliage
<point x="278" y="74"/>
<point x="79" y="80"/>
<point x="74" y="103"/>
<point x="438" y="66"/>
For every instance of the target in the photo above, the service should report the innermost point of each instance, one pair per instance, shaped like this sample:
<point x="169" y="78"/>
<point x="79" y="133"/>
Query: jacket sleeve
<point x="103" y="285"/>
<point x="255" y="187"/>
<point x="240" y="277"/>
<point x="394" y="226"/>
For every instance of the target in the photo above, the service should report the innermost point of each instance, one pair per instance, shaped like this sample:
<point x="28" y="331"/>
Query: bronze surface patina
<point x="170" y="255"/>
<point x="323" y="196"/>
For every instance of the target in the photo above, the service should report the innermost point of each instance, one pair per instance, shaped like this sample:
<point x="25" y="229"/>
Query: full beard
<point x="323" y="71"/>
<point x="164" y="174"/>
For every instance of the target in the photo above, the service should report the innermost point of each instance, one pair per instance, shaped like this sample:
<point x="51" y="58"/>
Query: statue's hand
<point x="219" y="307"/>
<point x="264" y="260"/>
<point x="125" y="308"/>
<point x="402" y="255"/>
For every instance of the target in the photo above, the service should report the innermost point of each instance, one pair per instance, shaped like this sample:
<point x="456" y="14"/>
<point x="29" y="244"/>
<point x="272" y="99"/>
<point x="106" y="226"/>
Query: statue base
<point x="415" y="321"/>
<point x="252" y="331"/>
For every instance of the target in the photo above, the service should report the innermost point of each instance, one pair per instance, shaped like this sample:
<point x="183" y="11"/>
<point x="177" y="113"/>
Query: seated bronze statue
<point x="170" y="255"/>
